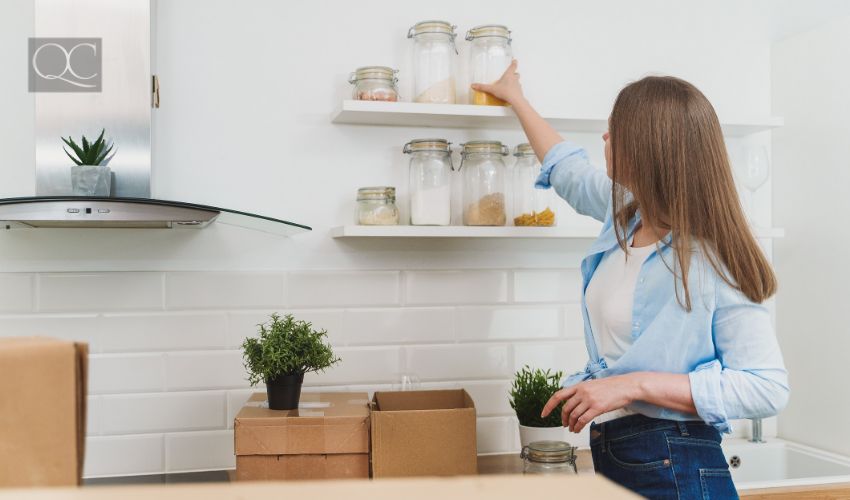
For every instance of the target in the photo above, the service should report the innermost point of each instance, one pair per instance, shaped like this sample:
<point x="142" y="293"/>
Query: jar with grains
<point x="376" y="206"/>
<point x="374" y="83"/>
<point x="489" y="57"/>
<point x="531" y="206"/>
<point x="434" y="54"/>
<point x="483" y="170"/>
<point x="549" y="457"/>
<point x="430" y="181"/>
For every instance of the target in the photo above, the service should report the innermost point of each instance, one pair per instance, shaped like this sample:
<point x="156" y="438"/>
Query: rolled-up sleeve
<point x="748" y="378"/>
<point x="568" y="170"/>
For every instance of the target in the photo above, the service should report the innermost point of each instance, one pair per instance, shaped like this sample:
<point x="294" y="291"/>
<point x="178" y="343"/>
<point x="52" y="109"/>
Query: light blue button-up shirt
<point x="726" y="343"/>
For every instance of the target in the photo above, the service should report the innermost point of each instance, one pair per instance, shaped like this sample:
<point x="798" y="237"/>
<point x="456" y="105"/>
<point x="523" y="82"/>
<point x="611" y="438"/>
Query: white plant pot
<point x="531" y="434"/>
<point x="91" y="180"/>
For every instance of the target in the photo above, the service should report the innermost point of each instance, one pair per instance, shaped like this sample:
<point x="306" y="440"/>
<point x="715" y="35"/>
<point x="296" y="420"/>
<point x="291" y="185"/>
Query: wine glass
<point x="753" y="172"/>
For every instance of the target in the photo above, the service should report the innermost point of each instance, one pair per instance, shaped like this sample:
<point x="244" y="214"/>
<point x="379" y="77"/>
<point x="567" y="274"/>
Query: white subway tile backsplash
<point x="93" y="415"/>
<point x="562" y="285"/>
<point x="568" y="356"/>
<point x="100" y="292"/>
<point x="501" y="323"/>
<point x="199" y="290"/>
<point x="360" y="365"/>
<point x="495" y="435"/>
<point x="345" y="288"/>
<point x="245" y="324"/>
<point x="491" y="398"/>
<point x="236" y="400"/>
<point x="458" y="362"/>
<point x="16" y="292"/>
<point x="124" y="455"/>
<point x="124" y="373"/>
<point x="162" y="332"/>
<point x="396" y="326"/>
<point x="197" y="451"/>
<point x="205" y="370"/>
<point x="145" y="413"/>
<point x="456" y="287"/>
<point x="78" y="328"/>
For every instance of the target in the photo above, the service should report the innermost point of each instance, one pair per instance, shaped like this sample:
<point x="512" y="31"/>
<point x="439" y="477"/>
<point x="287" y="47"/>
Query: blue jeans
<point x="662" y="458"/>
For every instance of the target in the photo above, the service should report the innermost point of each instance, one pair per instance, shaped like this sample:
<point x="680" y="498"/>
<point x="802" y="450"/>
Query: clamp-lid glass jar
<point x="430" y="181"/>
<point x="434" y="54"/>
<point x="376" y="206"/>
<point x="531" y="206"/>
<point x="374" y="83"/>
<point x="549" y="457"/>
<point x="489" y="57"/>
<point x="483" y="171"/>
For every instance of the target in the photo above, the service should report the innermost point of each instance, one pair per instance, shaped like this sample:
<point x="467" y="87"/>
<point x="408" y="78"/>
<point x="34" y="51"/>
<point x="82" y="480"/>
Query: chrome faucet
<point x="757" y="437"/>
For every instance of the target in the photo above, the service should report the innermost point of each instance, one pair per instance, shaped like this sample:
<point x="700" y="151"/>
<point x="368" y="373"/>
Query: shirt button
<point x="642" y="280"/>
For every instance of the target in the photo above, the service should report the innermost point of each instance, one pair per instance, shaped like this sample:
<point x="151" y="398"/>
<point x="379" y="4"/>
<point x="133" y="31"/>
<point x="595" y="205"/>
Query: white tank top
<point x="610" y="297"/>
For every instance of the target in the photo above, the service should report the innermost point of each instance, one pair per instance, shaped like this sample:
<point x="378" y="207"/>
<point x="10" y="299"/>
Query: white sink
<point x="783" y="463"/>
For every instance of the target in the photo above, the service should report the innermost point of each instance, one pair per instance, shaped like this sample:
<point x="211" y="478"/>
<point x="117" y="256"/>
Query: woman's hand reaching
<point x="506" y="88"/>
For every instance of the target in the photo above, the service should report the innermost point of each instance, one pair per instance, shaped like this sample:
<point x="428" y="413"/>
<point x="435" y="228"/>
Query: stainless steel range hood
<point x="116" y="36"/>
<point x="137" y="213"/>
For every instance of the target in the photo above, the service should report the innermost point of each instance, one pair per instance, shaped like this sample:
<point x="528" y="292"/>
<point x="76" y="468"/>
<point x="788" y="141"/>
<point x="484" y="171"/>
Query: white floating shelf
<point x="413" y="114"/>
<point x="355" y="231"/>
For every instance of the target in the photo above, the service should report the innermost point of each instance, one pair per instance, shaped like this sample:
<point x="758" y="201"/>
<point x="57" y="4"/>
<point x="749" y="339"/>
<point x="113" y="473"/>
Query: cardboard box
<point x="42" y="411"/>
<point x="327" y="437"/>
<point x="423" y="433"/>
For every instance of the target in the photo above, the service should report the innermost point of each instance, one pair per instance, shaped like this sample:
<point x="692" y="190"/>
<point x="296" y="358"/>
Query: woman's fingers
<point x="569" y="406"/>
<point x="572" y="418"/>
<point x="482" y="87"/>
<point x="584" y="419"/>
<point x="556" y="399"/>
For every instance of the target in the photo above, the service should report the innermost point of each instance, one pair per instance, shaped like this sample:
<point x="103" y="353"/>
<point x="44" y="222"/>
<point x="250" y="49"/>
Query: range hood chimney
<point x="90" y="69"/>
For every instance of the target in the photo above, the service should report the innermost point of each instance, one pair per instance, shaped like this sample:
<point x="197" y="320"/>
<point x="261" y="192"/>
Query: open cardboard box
<point x="42" y="411"/>
<point x="423" y="433"/>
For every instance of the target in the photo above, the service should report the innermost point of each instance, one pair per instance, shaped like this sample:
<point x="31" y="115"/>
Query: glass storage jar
<point x="376" y="206"/>
<point x="531" y="206"/>
<point x="489" y="57"/>
<point x="374" y="83"/>
<point x="430" y="181"/>
<point x="549" y="457"/>
<point x="434" y="54"/>
<point x="483" y="171"/>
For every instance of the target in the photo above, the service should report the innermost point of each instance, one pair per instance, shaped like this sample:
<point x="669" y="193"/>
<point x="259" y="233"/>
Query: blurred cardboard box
<point x="423" y="433"/>
<point x="42" y="411"/>
<point x="327" y="437"/>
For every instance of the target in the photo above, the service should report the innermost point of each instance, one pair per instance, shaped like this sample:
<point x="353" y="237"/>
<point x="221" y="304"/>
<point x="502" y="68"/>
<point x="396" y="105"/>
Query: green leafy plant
<point x="530" y="391"/>
<point x="89" y="153"/>
<point x="286" y="346"/>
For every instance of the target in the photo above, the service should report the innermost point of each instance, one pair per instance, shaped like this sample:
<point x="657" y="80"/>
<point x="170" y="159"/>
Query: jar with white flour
<point x="430" y="181"/>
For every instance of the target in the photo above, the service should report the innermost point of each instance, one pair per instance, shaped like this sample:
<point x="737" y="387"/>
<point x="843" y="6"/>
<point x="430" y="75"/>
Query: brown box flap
<point x="325" y="423"/>
<point x="276" y="467"/>
<point x="42" y="411"/>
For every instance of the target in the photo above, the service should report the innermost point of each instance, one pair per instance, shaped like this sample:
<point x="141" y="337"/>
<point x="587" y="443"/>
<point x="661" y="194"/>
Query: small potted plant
<point x="285" y="350"/>
<point x="90" y="175"/>
<point x="530" y="391"/>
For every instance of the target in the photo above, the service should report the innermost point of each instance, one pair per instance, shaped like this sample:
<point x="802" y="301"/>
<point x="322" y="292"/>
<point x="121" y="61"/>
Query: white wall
<point x="247" y="93"/>
<point x="811" y="157"/>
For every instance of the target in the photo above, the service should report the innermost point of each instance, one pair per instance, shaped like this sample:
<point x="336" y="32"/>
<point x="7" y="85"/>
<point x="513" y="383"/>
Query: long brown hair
<point x="670" y="162"/>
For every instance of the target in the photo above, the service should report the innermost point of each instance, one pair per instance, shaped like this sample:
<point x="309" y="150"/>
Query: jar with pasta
<point x="434" y="55"/>
<point x="483" y="170"/>
<point x="489" y="57"/>
<point x="374" y="83"/>
<point x="531" y="206"/>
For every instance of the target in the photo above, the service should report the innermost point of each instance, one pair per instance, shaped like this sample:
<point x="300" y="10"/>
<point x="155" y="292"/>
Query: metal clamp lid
<point x="524" y="149"/>
<point x="373" y="73"/>
<point x="549" y="452"/>
<point x="434" y="27"/>
<point x="489" y="30"/>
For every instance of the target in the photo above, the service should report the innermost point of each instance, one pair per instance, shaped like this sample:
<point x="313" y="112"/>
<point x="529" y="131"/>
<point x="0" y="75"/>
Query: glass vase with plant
<point x="283" y="352"/>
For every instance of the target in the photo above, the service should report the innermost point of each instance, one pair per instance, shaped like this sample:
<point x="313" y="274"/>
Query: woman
<point x="678" y="340"/>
